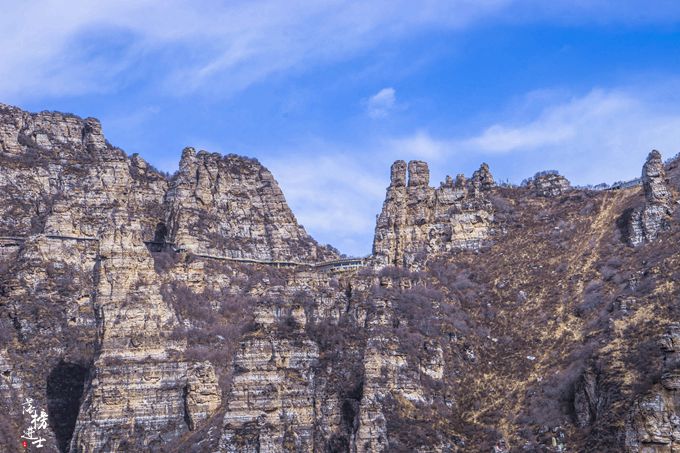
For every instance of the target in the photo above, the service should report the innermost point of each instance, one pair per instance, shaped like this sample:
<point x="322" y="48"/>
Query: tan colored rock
<point x="548" y="184"/>
<point x="648" y="220"/>
<point x="271" y="404"/>
<point x="232" y="206"/>
<point x="653" y="424"/>
<point x="203" y="394"/>
<point x="418" y="220"/>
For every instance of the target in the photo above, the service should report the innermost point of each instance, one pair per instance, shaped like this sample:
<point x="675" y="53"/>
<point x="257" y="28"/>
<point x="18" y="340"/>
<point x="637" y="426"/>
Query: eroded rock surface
<point x="653" y="424"/>
<point x="648" y="220"/>
<point x="232" y="206"/>
<point x="548" y="184"/>
<point x="120" y="317"/>
<point x="417" y="220"/>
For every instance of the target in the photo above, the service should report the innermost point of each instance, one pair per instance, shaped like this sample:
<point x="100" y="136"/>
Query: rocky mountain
<point x="144" y="312"/>
<point x="418" y="220"/>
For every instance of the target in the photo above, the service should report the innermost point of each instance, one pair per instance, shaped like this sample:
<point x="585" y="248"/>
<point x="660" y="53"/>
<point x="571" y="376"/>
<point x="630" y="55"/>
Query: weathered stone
<point x="647" y="221"/>
<point x="419" y="220"/>
<point x="653" y="423"/>
<point x="132" y="346"/>
<point x="654" y="179"/>
<point x="587" y="399"/>
<point x="418" y="174"/>
<point x="398" y="174"/>
<point x="203" y="394"/>
<point x="481" y="180"/>
<point x="272" y="393"/>
<point x="232" y="206"/>
<point x="550" y="184"/>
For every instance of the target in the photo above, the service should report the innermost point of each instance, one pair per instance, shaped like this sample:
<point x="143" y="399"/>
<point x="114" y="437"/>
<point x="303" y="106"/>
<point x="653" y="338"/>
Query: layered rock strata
<point x="653" y="216"/>
<point x="548" y="184"/>
<point x="130" y="345"/>
<point x="653" y="424"/>
<point x="271" y="404"/>
<point x="232" y="206"/>
<point x="418" y="220"/>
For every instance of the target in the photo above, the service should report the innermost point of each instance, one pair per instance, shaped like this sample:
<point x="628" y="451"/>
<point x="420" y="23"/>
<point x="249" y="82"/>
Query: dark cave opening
<point x="64" y="392"/>
<point x="161" y="233"/>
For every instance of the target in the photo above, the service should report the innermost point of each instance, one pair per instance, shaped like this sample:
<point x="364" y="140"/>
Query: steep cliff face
<point x="61" y="177"/>
<point x="489" y="319"/>
<point x="653" y="216"/>
<point x="80" y="209"/>
<point x="653" y="424"/>
<point x="417" y="220"/>
<point x="232" y="206"/>
<point x="81" y="300"/>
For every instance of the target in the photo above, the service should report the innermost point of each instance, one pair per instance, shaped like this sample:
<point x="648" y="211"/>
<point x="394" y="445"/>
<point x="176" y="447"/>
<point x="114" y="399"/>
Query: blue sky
<point x="327" y="94"/>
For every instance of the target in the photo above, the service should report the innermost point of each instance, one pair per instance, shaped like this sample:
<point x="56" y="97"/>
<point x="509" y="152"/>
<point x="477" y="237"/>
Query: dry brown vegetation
<point x="538" y="307"/>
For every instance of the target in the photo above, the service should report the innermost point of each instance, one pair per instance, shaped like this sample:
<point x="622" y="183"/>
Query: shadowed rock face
<point x="65" y="386"/>
<point x="653" y="423"/>
<point x="484" y="307"/>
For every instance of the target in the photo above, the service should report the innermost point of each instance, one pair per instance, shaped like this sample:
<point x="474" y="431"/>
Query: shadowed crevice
<point x="64" y="392"/>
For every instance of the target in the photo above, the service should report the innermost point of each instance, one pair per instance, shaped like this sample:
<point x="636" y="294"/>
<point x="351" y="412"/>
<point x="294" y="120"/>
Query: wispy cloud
<point x="382" y="103"/>
<point x="419" y="145"/>
<point x="558" y="124"/>
<point x="56" y="48"/>
<point x="51" y="47"/>
<point x="585" y="136"/>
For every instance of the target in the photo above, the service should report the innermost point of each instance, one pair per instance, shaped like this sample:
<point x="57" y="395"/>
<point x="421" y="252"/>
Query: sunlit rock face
<point x="489" y="318"/>
<point x="417" y="220"/>
<point x="653" y="216"/>
<point x="232" y="206"/>
<point x="548" y="184"/>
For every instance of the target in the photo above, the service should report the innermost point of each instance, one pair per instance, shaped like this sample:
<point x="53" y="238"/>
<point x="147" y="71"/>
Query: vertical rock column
<point x="270" y="407"/>
<point x="417" y="220"/>
<point x="388" y="247"/>
<point x="135" y="398"/>
<point x="648" y="220"/>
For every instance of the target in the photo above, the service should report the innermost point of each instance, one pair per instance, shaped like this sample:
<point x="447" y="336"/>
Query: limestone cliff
<point x="417" y="220"/>
<point x="548" y="184"/>
<point x="653" y="216"/>
<point x="653" y="424"/>
<point x="232" y="206"/>
<point x="156" y="313"/>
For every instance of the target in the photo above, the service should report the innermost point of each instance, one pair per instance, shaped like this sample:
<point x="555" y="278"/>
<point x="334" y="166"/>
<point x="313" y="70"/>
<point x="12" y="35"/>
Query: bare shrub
<point x="212" y="323"/>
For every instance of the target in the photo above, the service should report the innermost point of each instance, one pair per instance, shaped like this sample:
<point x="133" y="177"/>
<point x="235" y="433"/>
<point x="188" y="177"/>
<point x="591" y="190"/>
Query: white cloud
<point x="560" y="124"/>
<point x="381" y="104"/>
<point x="600" y="136"/>
<point x="334" y="195"/>
<point x="419" y="145"/>
<point x="51" y="47"/>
